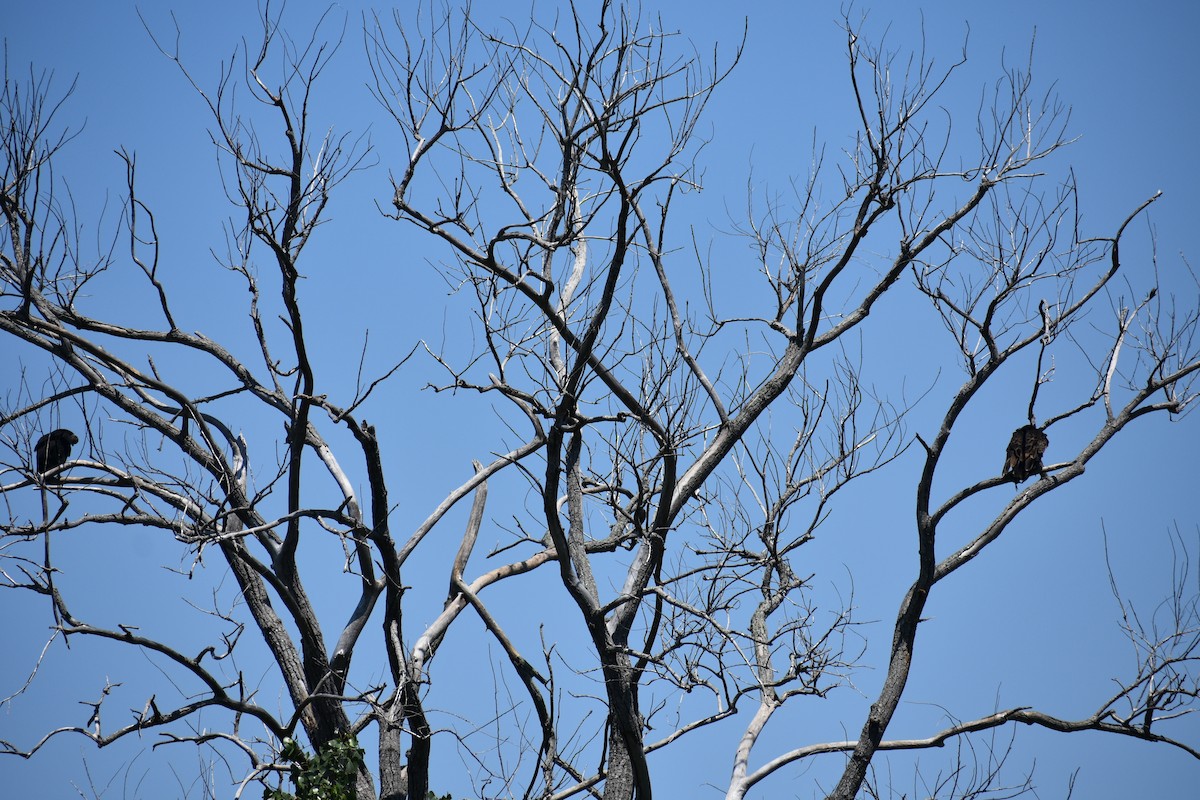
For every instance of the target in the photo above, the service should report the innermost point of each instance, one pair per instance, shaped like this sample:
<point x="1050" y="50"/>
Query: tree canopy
<point x="489" y="453"/>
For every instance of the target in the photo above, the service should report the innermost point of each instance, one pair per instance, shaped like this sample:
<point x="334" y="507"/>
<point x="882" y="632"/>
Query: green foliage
<point x="328" y="775"/>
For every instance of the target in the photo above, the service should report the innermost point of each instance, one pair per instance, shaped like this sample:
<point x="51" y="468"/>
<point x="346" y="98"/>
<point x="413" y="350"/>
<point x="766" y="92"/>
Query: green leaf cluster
<point x="328" y="775"/>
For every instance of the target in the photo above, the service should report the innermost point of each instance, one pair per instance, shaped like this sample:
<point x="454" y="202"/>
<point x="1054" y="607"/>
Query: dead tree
<point x="666" y="478"/>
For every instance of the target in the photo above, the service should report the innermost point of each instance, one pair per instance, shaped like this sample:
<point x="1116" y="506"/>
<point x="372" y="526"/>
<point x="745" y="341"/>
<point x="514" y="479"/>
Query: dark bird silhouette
<point x="53" y="449"/>
<point x="1025" y="451"/>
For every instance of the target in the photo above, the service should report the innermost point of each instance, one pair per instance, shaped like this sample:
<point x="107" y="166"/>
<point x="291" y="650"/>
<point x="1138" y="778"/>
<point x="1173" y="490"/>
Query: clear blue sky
<point x="1013" y="632"/>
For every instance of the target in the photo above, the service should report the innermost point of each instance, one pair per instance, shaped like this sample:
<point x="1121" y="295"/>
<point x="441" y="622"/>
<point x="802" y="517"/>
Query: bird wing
<point x="1012" y="456"/>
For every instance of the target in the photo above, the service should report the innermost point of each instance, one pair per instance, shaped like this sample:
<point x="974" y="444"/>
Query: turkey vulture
<point x="53" y="449"/>
<point x="1025" y="451"/>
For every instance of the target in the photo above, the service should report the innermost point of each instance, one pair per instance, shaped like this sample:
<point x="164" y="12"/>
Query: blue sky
<point x="1033" y="623"/>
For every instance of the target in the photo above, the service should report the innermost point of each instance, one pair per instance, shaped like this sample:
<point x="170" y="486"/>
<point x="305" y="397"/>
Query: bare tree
<point x="660" y="449"/>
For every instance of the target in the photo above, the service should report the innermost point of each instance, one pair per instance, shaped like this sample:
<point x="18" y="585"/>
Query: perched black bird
<point x="53" y="449"/>
<point x="1025" y="451"/>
